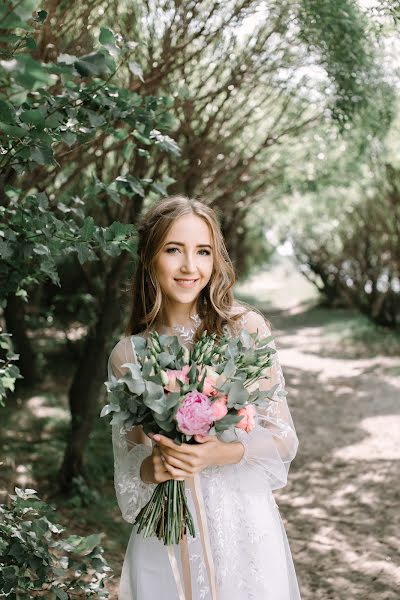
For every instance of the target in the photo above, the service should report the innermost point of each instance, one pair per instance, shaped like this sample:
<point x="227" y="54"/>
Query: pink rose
<point x="210" y="381"/>
<point x="194" y="416"/>
<point x="175" y="375"/>
<point x="248" y="421"/>
<point x="219" y="408"/>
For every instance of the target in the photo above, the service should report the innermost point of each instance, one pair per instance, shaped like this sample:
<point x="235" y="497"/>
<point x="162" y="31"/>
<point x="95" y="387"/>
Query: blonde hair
<point x="215" y="303"/>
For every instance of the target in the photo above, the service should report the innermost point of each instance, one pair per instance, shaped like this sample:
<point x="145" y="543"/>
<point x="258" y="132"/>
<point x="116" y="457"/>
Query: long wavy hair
<point x="215" y="303"/>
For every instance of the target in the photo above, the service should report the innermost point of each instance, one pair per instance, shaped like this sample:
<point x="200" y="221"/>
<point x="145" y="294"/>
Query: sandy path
<point x="341" y="506"/>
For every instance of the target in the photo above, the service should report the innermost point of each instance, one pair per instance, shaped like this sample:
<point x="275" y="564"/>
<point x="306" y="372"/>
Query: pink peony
<point x="175" y="375"/>
<point x="219" y="408"/>
<point x="195" y="416"/>
<point x="248" y="422"/>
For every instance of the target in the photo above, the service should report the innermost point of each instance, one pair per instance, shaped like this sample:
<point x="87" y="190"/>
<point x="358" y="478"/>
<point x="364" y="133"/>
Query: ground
<point x="341" y="505"/>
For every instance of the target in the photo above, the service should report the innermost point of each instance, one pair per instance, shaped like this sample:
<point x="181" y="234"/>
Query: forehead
<point x="189" y="229"/>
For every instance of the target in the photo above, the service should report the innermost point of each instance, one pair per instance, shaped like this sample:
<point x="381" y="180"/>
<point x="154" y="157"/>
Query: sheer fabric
<point x="249" y="546"/>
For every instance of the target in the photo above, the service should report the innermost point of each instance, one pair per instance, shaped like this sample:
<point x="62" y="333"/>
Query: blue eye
<point x="207" y="252"/>
<point x="171" y="250"/>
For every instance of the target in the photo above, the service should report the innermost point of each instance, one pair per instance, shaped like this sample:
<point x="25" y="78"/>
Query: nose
<point x="188" y="264"/>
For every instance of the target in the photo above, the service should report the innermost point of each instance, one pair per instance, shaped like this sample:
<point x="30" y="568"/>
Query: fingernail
<point x="156" y="437"/>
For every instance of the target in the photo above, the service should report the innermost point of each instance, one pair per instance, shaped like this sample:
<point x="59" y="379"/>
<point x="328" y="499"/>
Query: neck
<point x="177" y="314"/>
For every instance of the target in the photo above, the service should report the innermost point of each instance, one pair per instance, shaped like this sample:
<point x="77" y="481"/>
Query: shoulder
<point x="121" y="353"/>
<point x="247" y="317"/>
<point x="255" y="322"/>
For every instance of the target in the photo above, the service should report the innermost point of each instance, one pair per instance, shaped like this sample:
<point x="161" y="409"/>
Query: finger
<point x="178" y="473"/>
<point x="175" y="462"/>
<point x="163" y="440"/>
<point x="184" y="456"/>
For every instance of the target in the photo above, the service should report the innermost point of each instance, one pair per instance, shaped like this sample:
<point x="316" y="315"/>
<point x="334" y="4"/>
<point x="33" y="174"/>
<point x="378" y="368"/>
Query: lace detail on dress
<point x="132" y="493"/>
<point x="186" y="334"/>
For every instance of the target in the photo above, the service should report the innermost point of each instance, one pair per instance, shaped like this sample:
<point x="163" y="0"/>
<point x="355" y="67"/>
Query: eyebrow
<point x="198" y="245"/>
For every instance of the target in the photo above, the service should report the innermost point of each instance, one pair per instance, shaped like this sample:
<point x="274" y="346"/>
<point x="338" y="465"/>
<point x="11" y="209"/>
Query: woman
<point x="183" y="286"/>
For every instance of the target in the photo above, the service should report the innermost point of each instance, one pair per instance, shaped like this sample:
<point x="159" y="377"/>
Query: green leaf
<point x="30" y="43"/>
<point x="6" y="113"/>
<point x="32" y="74"/>
<point x="88" y="229"/>
<point x="41" y="249"/>
<point x="43" y="155"/>
<point x="237" y="395"/>
<point x="133" y="183"/>
<point x="5" y="250"/>
<point x="109" y="408"/>
<point x="136" y="70"/>
<point x="13" y="130"/>
<point x="34" y="116"/>
<point x="86" y="545"/>
<point x="68" y="137"/>
<point x="227" y="421"/>
<point x="85" y="253"/>
<point x="93" y="64"/>
<point x="106" y="36"/>
<point x="154" y="397"/>
<point x="59" y="593"/>
<point x="165" y="142"/>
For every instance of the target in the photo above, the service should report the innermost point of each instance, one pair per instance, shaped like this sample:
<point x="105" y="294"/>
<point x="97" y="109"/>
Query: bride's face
<point x="184" y="264"/>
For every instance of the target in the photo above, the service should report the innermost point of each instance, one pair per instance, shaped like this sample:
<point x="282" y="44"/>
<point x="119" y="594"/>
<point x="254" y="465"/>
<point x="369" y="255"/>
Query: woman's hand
<point x="188" y="459"/>
<point x="153" y="469"/>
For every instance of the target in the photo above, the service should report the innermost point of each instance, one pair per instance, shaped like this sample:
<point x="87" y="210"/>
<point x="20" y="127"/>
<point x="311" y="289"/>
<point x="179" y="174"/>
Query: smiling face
<point x="184" y="264"/>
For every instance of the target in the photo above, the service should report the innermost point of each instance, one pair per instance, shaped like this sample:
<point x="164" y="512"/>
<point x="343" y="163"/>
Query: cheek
<point x="163" y="266"/>
<point x="208" y="269"/>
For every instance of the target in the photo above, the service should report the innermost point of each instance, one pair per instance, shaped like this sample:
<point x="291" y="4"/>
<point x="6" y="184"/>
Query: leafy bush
<point x="36" y="562"/>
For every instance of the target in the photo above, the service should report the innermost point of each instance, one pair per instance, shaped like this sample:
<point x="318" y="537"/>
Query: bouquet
<point x="181" y="393"/>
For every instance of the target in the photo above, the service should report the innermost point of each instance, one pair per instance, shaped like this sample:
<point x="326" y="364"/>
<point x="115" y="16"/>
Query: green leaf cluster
<point x="37" y="558"/>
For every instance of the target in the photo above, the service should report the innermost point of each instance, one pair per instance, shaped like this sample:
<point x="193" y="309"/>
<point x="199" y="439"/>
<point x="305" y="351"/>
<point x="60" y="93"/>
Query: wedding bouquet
<point x="180" y="394"/>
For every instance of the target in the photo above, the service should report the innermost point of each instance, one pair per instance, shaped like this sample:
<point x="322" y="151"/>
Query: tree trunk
<point x="14" y="316"/>
<point x="88" y="380"/>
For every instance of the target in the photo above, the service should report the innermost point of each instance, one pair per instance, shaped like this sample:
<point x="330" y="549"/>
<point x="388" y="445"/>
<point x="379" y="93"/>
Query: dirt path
<point x="341" y="507"/>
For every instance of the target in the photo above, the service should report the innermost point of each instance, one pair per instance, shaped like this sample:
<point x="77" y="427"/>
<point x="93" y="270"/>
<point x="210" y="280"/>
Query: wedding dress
<point x="250" y="554"/>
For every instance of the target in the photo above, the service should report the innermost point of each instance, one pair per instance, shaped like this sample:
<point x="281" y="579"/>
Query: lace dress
<point x="247" y="539"/>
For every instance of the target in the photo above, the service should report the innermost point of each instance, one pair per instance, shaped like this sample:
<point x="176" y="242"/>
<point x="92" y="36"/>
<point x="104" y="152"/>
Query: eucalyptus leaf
<point x="237" y="395"/>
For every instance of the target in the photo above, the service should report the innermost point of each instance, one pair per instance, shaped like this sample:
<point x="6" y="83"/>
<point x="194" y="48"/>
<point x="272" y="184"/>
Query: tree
<point x="56" y="114"/>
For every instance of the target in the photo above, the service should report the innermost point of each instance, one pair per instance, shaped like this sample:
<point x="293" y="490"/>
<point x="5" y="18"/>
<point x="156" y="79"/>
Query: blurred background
<point x="285" y="118"/>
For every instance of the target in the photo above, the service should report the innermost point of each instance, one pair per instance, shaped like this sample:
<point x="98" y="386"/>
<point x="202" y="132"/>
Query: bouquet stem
<point x="166" y="515"/>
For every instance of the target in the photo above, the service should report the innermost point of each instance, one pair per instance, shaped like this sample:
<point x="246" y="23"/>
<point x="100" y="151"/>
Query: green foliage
<point x="341" y="34"/>
<point x="9" y="372"/>
<point x="57" y="116"/>
<point x="36" y="561"/>
<point x="82" y="494"/>
<point x="347" y="243"/>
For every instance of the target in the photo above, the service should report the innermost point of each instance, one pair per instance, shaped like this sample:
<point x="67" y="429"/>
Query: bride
<point x="183" y="286"/>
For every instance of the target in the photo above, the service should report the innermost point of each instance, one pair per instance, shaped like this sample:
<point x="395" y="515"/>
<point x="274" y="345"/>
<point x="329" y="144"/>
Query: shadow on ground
<point x="340" y="507"/>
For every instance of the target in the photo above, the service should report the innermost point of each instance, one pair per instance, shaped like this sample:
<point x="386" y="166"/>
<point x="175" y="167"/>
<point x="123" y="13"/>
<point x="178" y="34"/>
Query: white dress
<point x="247" y="539"/>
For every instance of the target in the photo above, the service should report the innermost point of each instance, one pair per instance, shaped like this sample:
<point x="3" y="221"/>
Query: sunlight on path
<point x="383" y="441"/>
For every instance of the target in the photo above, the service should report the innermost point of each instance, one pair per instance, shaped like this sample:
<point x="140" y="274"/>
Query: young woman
<point x="183" y="286"/>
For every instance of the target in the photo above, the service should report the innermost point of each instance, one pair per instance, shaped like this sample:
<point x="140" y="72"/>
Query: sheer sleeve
<point x="273" y="443"/>
<point x="132" y="493"/>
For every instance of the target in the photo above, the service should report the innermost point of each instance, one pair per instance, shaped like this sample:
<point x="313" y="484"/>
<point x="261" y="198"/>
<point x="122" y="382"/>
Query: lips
<point x="186" y="282"/>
